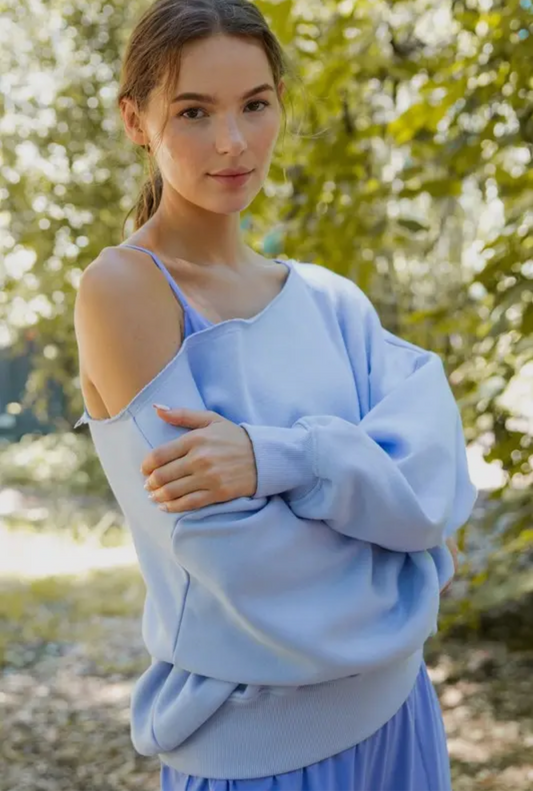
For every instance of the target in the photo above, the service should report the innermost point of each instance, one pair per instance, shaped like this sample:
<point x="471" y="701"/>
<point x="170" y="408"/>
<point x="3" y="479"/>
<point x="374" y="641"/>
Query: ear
<point x="281" y="89"/>
<point x="132" y="123"/>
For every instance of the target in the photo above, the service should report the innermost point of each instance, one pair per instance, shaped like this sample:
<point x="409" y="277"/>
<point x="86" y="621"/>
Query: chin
<point x="233" y="205"/>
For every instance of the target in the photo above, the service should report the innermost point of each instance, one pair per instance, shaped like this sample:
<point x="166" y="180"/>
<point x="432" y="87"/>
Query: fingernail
<point x="147" y="486"/>
<point x="162" y="407"/>
<point x="163" y="507"/>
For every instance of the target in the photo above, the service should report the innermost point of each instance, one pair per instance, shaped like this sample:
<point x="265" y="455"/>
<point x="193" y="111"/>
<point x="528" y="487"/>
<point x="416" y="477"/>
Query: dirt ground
<point x="71" y="649"/>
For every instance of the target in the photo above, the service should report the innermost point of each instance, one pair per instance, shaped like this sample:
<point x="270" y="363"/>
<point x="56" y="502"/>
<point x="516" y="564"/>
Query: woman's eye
<point x="193" y="113"/>
<point x="259" y="104"/>
<point x="184" y="114"/>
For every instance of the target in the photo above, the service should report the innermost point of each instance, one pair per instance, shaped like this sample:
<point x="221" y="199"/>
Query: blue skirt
<point x="408" y="753"/>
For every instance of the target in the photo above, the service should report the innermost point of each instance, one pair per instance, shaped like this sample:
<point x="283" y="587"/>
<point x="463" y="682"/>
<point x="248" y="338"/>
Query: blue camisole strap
<point x="194" y="321"/>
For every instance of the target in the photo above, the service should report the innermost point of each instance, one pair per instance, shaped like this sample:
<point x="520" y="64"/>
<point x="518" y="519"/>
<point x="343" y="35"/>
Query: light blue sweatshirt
<point x="288" y="626"/>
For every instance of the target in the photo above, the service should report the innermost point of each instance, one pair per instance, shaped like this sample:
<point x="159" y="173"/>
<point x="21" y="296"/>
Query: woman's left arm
<point x="399" y="478"/>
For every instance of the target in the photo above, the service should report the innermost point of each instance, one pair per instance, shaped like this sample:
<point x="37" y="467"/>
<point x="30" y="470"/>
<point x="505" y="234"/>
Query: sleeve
<point x="399" y="477"/>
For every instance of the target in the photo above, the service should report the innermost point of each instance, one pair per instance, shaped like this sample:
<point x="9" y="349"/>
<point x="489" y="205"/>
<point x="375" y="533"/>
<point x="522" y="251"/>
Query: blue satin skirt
<point x="408" y="753"/>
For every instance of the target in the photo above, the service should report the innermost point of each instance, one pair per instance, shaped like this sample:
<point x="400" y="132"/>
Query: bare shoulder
<point x="128" y="326"/>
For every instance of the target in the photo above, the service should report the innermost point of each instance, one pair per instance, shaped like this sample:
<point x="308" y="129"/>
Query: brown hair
<point x="153" y="53"/>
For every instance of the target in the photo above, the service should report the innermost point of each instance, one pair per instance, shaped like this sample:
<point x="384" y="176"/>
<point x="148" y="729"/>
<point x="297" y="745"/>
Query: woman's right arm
<point x="128" y="325"/>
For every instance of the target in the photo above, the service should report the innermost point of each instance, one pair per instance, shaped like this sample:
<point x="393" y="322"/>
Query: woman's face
<point x="224" y="116"/>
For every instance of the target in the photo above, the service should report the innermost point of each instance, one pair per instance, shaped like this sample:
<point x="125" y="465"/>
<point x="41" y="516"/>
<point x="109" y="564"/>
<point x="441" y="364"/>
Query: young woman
<point x="291" y="496"/>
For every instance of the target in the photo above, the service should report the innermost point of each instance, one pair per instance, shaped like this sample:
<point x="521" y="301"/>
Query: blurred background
<point x="406" y="164"/>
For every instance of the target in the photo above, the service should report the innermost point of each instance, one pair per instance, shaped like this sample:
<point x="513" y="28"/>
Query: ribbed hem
<point x="284" y="458"/>
<point x="272" y="733"/>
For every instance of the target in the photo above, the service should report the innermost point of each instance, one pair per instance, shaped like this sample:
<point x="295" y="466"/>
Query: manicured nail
<point x="162" y="407"/>
<point x="163" y="507"/>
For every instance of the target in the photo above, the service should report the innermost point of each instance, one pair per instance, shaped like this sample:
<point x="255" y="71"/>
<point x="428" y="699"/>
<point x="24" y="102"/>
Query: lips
<point x="232" y="173"/>
<point x="234" y="179"/>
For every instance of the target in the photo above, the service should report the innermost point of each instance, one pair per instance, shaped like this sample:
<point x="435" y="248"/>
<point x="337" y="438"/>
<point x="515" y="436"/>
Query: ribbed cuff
<point x="284" y="458"/>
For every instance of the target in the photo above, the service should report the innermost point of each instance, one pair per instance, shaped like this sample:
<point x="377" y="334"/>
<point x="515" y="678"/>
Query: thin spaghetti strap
<point x="172" y="283"/>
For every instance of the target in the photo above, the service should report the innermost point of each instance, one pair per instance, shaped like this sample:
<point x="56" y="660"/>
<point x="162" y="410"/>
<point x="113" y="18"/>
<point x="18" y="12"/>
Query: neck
<point x="182" y="230"/>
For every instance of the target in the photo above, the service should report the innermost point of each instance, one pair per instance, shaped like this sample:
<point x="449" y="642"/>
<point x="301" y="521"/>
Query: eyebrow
<point x="202" y="97"/>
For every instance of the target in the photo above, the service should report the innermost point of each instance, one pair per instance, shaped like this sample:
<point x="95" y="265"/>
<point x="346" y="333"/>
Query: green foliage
<point x="61" y="463"/>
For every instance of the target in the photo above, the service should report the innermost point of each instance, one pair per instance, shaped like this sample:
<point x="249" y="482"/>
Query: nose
<point x="229" y="137"/>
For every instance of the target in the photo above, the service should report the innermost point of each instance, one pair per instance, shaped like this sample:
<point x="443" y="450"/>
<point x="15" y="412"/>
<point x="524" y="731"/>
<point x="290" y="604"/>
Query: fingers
<point x="164" y="454"/>
<point x="174" y="490"/>
<point x="188" y="418"/>
<point x="195" y="420"/>
<point x="173" y="471"/>
<point x="189" y="502"/>
<point x="175" y="449"/>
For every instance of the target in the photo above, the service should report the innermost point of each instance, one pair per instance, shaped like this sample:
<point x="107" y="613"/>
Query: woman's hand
<point x="452" y="546"/>
<point x="212" y="463"/>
